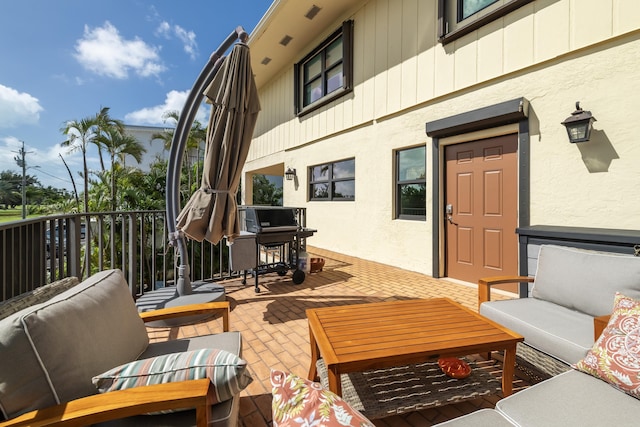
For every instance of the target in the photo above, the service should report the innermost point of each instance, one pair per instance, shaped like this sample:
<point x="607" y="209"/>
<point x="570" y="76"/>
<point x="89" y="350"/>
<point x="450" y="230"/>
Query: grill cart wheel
<point x="282" y="270"/>
<point x="298" y="276"/>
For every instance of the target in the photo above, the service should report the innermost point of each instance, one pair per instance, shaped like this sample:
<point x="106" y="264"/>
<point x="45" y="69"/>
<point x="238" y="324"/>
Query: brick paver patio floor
<point x="275" y="332"/>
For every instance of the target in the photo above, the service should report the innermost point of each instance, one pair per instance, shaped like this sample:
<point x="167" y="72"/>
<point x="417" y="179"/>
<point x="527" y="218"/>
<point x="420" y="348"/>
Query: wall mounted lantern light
<point x="290" y="174"/>
<point x="579" y="124"/>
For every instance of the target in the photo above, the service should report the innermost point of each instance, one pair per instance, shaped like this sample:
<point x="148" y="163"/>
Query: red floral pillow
<point x="615" y="357"/>
<point x="300" y="402"/>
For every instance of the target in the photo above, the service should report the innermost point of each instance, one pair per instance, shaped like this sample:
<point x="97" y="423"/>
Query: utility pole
<point x="22" y="162"/>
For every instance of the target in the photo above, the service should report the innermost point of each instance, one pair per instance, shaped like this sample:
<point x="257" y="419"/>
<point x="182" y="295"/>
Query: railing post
<point x="132" y="262"/>
<point x="70" y="237"/>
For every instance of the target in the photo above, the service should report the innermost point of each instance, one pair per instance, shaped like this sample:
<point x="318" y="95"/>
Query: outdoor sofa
<point x="573" y="292"/>
<point x="56" y="353"/>
<point x="568" y="323"/>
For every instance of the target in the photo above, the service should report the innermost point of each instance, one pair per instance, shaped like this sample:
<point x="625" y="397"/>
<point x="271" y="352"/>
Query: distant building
<point x="155" y="147"/>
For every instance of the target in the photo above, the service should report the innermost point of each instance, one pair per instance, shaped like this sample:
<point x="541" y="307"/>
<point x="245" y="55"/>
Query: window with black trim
<point x="459" y="17"/>
<point x="411" y="183"/>
<point x="333" y="181"/>
<point x="326" y="73"/>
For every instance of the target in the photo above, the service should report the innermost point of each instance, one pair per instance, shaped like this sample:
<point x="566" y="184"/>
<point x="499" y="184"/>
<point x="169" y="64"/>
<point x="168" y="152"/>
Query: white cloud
<point x="45" y="163"/>
<point x="9" y="149"/>
<point x="104" y="51"/>
<point x="188" y="38"/>
<point x="174" y="101"/>
<point x="164" y="30"/>
<point x="18" y="108"/>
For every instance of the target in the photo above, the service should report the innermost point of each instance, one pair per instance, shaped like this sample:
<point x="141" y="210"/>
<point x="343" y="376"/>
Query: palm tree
<point x="119" y="145"/>
<point x="104" y="123"/>
<point x="80" y="133"/>
<point x="197" y="135"/>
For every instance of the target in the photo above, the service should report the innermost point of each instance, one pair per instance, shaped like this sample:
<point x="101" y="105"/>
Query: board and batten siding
<point x="551" y="52"/>
<point x="398" y="62"/>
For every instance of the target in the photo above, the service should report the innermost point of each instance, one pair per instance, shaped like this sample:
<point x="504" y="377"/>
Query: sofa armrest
<point x="599" y="323"/>
<point x="484" y="285"/>
<point x="222" y="307"/>
<point x="198" y="394"/>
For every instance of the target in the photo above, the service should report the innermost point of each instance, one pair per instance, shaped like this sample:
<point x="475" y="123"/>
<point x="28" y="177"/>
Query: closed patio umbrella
<point x="211" y="212"/>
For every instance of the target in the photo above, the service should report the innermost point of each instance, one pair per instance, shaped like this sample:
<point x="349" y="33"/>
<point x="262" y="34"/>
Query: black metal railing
<point x="38" y="251"/>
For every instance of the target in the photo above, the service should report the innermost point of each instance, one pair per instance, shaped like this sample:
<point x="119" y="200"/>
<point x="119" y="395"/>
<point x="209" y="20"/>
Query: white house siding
<point x="155" y="148"/>
<point x="551" y="52"/>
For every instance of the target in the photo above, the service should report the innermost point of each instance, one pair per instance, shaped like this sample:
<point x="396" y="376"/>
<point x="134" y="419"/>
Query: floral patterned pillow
<point x="615" y="357"/>
<point x="300" y="402"/>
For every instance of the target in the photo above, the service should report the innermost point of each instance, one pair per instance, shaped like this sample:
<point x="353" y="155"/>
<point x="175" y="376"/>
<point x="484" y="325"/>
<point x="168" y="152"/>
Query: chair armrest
<point x="599" y="323"/>
<point x="190" y="310"/>
<point x="484" y="285"/>
<point x="198" y="394"/>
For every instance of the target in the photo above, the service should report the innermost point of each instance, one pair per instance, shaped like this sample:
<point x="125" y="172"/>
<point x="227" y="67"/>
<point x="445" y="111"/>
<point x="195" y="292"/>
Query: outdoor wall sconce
<point x="290" y="174"/>
<point x="579" y="124"/>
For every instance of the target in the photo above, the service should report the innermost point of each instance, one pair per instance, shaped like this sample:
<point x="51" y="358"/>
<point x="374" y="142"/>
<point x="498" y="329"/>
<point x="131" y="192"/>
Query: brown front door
<point x="481" y="208"/>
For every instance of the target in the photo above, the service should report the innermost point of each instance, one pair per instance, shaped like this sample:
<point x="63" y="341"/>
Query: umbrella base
<point x="167" y="297"/>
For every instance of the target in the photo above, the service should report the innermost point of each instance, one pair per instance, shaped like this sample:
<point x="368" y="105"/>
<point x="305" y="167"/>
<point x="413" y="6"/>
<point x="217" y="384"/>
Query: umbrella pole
<point x="178" y="146"/>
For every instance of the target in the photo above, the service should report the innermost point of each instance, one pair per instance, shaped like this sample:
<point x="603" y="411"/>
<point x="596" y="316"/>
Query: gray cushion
<point x="51" y="351"/>
<point x="223" y="414"/>
<point x="584" y="280"/>
<point x="480" y="418"/>
<point x="571" y="399"/>
<point x="553" y="329"/>
<point x="228" y="341"/>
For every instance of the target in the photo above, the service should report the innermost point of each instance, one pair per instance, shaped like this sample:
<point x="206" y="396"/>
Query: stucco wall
<point x="550" y="52"/>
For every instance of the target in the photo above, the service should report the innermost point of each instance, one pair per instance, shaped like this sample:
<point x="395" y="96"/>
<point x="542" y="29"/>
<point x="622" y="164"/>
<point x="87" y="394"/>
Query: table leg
<point x="508" y="368"/>
<point x="315" y="351"/>
<point x="335" y="385"/>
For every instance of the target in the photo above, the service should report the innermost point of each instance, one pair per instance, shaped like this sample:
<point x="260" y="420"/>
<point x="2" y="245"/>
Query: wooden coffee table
<point x="360" y="337"/>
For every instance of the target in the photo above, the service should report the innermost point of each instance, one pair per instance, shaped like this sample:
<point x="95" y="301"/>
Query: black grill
<point x="268" y="219"/>
<point x="275" y="228"/>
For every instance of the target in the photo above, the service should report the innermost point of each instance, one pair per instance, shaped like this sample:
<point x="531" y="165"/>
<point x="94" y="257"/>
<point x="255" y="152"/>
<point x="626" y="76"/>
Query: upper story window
<point x="333" y="181"/>
<point x="411" y="183"/>
<point x="459" y="17"/>
<point x="326" y="73"/>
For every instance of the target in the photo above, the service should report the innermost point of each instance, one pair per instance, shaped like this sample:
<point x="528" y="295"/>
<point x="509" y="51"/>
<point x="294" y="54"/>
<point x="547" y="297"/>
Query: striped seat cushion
<point x="227" y="372"/>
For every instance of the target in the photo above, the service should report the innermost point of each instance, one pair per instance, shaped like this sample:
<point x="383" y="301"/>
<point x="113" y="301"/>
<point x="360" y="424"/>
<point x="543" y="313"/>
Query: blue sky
<point x="63" y="60"/>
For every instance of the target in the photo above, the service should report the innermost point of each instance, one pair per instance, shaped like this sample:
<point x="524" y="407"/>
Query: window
<point x="326" y="73"/>
<point x="411" y="183"/>
<point x="466" y="8"/>
<point x="333" y="181"/>
<point x="459" y="17"/>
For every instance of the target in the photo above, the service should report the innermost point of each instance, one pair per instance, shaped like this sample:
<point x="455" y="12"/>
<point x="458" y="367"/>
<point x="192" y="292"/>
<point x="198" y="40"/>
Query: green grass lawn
<point x="13" y="215"/>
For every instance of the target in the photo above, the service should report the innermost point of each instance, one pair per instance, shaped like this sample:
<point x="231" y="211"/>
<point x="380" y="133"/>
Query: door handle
<point x="449" y="212"/>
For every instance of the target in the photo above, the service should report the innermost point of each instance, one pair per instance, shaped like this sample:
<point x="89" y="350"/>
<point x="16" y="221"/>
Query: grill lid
<point x="264" y="219"/>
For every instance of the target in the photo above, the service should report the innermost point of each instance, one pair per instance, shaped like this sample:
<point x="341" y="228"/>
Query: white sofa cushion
<point x="585" y="280"/>
<point x="551" y="328"/>
<point x="480" y="418"/>
<point x="51" y="351"/>
<point x="570" y="399"/>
